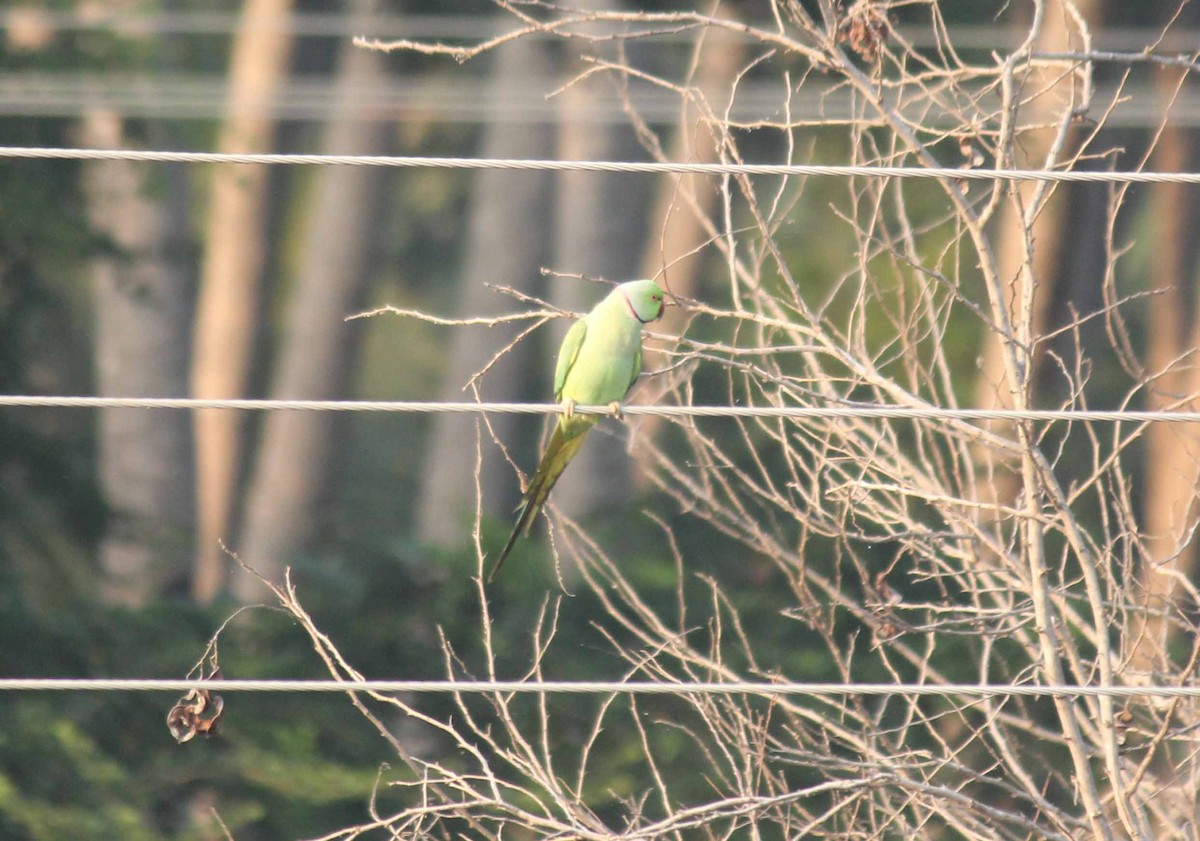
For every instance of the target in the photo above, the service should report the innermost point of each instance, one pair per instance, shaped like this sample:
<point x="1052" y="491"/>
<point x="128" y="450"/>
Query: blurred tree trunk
<point x="679" y="228"/>
<point x="506" y="245"/>
<point x="601" y="221"/>
<point x="674" y="252"/>
<point x="141" y="294"/>
<point x="1025" y="247"/>
<point x="1172" y="464"/>
<point x="297" y="456"/>
<point x="229" y="297"/>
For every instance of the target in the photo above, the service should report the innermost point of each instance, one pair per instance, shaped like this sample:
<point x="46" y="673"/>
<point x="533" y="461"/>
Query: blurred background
<point x="162" y="280"/>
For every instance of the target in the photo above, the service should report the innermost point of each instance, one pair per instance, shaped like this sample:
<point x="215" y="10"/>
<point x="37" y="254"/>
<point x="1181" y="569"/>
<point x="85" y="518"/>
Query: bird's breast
<point x="604" y="367"/>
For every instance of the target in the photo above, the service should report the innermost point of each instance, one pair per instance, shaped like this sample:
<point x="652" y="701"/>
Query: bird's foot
<point x="614" y="409"/>
<point x="568" y="409"/>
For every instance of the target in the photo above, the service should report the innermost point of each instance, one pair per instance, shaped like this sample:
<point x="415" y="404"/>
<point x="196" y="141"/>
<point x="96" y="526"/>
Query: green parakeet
<point x="600" y="358"/>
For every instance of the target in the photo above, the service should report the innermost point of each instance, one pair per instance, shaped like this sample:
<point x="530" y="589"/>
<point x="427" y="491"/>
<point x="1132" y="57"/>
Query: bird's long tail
<point x="558" y="455"/>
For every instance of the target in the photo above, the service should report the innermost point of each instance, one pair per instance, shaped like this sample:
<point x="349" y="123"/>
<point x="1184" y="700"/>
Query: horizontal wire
<point x="423" y="407"/>
<point x="588" y="687"/>
<point x="464" y="99"/>
<point x="480" y="27"/>
<point x="649" y="167"/>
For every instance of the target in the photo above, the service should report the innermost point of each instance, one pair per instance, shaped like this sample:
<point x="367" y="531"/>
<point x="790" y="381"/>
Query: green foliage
<point x="102" y="765"/>
<point x="48" y="502"/>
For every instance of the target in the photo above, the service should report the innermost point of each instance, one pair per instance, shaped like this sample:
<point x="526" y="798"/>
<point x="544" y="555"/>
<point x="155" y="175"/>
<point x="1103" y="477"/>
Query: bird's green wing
<point x="567" y="354"/>
<point x="637" y="368"/>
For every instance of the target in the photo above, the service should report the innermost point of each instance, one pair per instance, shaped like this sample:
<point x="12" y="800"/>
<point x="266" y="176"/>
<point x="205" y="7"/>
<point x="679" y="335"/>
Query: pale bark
<point x="679" y="223"/>
<point x="295" y="468"/>
<point x="506" y="246"/>
<point x="675" y="251"/>
<point x="1172" y="464"/>
<point x="231" y="277"/>
<point x="601" y="220"/>
<point x="1027" y="250"/>
<point x="141" y="294"/>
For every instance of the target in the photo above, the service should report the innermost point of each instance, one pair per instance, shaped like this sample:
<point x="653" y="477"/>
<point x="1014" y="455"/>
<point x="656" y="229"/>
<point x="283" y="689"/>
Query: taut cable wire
<point x="590" y="687"/>
<point x="420" y="407"/>
<point x="649" y="167"/>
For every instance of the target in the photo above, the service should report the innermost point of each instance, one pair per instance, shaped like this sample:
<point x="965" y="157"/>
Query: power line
<point x="590" y="687"/>
<point x="465" y="100"/>
<point x="645" y="167"/>
<point x="427" y="407"/>
<point x="424" y="97"/>
<point x="227" y="23"/>
<point x="478" y="27"/>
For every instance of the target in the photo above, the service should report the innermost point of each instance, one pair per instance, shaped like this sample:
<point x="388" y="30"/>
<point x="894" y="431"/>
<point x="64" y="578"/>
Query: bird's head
<point x="644" y="299"/>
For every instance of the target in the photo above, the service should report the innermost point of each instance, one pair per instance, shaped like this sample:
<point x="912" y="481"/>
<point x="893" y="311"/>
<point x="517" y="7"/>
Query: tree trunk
<point x="142" y="303"/>
<point x="675" y="250"/>
<point x="680" y="227"/>
<point x="507" y="246"/>
<point x="1024" y="248"/>
<point x="228" y="305"/>
<point x="1040" y="254"/>
<point x="1172" y="464"/>
<point x="295" y="466"/>
<point x="601" y="219"/>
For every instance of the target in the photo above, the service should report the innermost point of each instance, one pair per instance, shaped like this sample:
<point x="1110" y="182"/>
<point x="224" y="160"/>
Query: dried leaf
<point x="196" y="712"/>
